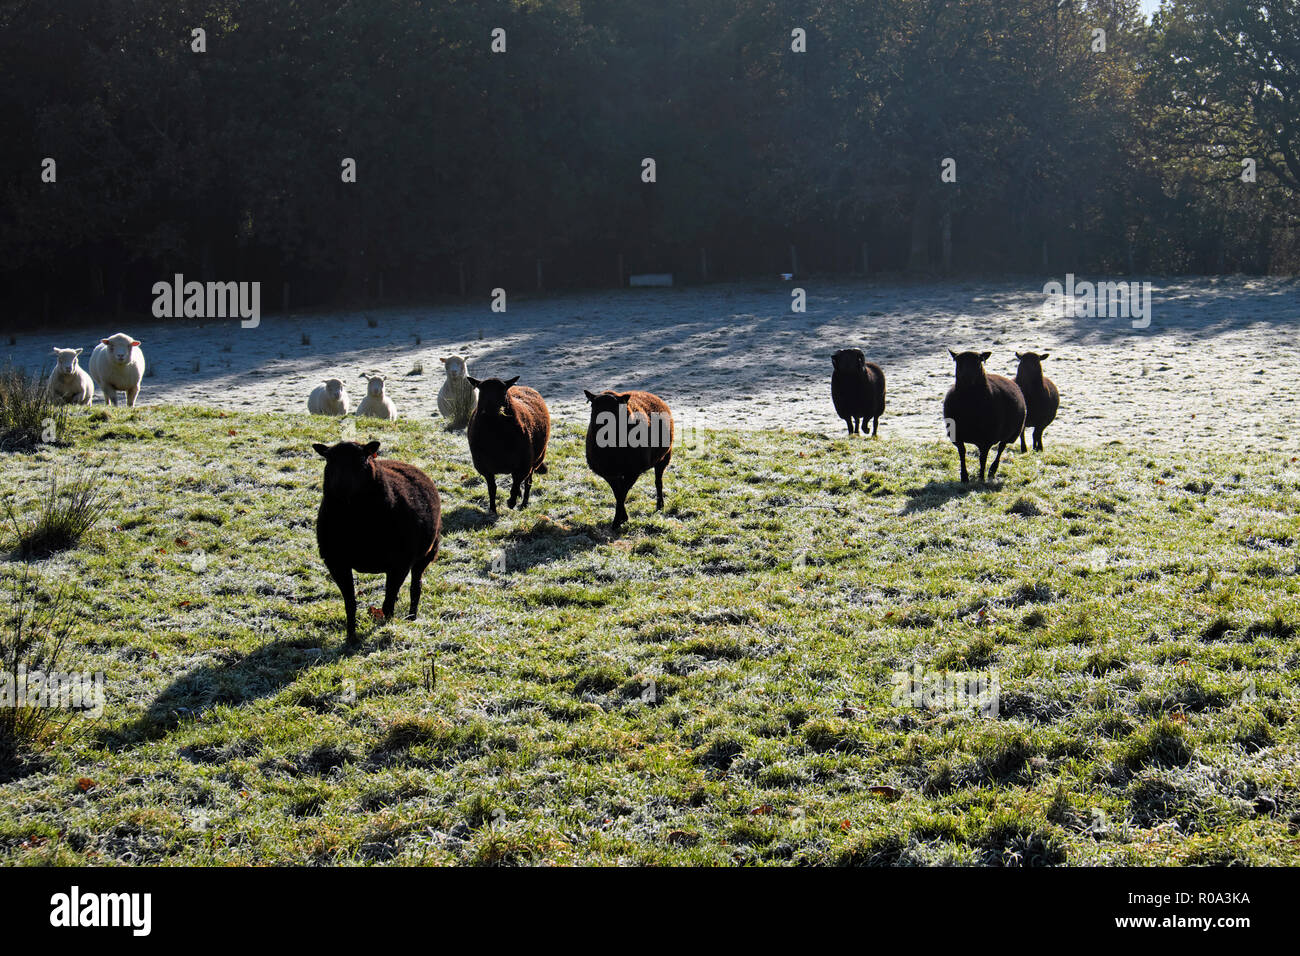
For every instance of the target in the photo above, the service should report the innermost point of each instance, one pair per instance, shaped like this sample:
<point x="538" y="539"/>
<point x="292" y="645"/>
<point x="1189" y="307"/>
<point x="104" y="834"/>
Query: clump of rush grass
<point x="63" y="513"/>
<point x="33" y="638"/>
<point x="28" y="418"/>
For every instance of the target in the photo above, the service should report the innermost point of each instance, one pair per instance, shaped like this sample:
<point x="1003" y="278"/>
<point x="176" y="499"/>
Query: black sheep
<point x="508" y="433"/>
<point x="1042" y="398"/>
<point x="629" y="433"/>
<point x="983" y="410"/>
<point x="857" y="389"/>
<point x="376" y="517"/>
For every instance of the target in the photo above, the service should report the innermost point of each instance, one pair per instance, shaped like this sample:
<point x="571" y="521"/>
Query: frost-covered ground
<point x="1216" y="367"/>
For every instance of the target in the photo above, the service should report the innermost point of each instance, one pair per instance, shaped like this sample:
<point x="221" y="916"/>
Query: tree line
<point x="504" y="143"/>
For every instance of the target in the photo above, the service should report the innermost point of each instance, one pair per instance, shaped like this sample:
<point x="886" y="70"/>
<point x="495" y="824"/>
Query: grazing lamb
<point x="629" y="433"/>
<point x="69" y="383"/>
<point x="983" y="410"/>
<point x="376" y="517"/>
<point x="328" y="398"/>
<point x="857" y="390"/>
<point x="117" y="365"/>
<point x="376" y="404"/>
<point x="508" y="433"/>
<point x="457" y="397"/>
<point x="1042" y="398"/>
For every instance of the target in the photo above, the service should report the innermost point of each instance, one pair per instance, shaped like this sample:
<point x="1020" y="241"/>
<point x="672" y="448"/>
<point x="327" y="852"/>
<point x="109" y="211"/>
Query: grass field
<point x="715" y="685"/>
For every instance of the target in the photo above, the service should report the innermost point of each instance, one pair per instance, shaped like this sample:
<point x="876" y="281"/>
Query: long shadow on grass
<point x="541" y="541"/>
<point x="258" y="674"/>
<point x="935" y="494"/>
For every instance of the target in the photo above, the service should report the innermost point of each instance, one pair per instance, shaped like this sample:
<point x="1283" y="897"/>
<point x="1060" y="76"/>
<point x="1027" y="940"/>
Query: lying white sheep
<point x="376" y="404"/>
<point x="117" y="365"/>
<point x="328" y="398"/>
<point x="457" y="398"/>
<point x="69" y="383"/>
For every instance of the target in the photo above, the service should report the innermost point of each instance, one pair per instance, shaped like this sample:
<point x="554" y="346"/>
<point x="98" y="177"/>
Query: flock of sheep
<point x="379" y="516"/>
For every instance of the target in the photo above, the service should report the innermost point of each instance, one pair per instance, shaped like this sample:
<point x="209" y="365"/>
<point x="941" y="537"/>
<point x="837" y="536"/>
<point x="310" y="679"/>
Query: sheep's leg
<point x="1038" y="439"/>
<point x="849" y="423"/>
<point x="343" y="578"/>
<point x="392" y="587"/>
<point x="984" y="457"/>
<point x="131" y="393"/>
<point x="417" y="573"/>
<point x="996" y="458"/>
<point x="1023" y="449"/>
<point x="528" y="489"/>
<point x="492" y="492"/>
<point x="110" y="395"/>
<point x="619" y="485"/>
<point x="516" y="485"/>
<point x="875" y="426"/>
<point x="961" y="455"/>
<point x="659" y="480"/>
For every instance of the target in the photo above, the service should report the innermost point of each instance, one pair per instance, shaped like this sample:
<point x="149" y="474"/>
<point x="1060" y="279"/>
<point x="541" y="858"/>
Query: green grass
<point x="716" y="685"/>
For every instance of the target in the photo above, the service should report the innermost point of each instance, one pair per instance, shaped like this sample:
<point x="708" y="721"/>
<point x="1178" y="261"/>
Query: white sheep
<point x="328" y="398"/>
<point x="457" y="398"/>
<point x="376" y="404"/>
<point x="69" y="383"/>
<point x="117" y="365"/>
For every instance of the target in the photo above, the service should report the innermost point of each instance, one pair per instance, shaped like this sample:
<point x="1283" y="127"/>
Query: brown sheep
<point x="857" y="390"/>
<point x="629" y="433"/>
<point x="508" y="433"/>
<point x="376" y="517"/>
<point x="1042" y="398"/>
<point x="983" y="410"/>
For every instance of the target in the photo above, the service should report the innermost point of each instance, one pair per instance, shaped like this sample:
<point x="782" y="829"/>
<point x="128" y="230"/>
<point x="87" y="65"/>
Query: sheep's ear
<point x="370" y="449"/>
<point x="322" y="450"/>
<point x="78" y="351"/>
<point x="1043" y="356"/>
<point x="135" y="344"/>
<point x="511" y="381"/>
<point x="624" y="399"/>
<point x="590" y="397"/>
<point x="103" y="341"/>
<point x="953" y="354"/>
<point x="985" y="356"/>
<point x="469" y="378"/>
<point x="56" y="351"/>
<point x="1019" y="356"/>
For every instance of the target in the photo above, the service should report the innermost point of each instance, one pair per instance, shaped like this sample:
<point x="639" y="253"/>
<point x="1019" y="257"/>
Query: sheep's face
<point x="375" y="388"/>
<point x="455" y="366"/>
<point x="334" y="389"/>
<point x="119" y="347"/>
<point x="493" y="395"/>
<point x="1030" y="362"/>
<point x="970" y="366"/>
<point x="849" y="360"/>
<point x="65" y="360"/>
<point x="349" y="466"/>
<point x="607" y="403"/>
